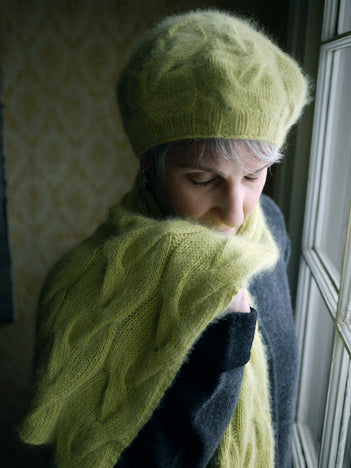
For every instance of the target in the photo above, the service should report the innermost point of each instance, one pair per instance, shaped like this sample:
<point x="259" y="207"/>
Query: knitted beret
<point x="209" y="74"/>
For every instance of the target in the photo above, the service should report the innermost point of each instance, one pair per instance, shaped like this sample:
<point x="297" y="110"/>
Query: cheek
<point x="185" y="200"/>
<point x="186" y="203"/>
<point x="253" y="197"/>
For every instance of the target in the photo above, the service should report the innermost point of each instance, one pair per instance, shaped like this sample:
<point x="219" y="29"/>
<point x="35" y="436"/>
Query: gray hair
<point x="235" y="150"/>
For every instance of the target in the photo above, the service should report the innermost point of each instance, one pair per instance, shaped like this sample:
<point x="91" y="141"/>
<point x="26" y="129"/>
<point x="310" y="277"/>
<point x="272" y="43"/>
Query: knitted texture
<point x="118" y="316"/>
<point x="208" y="74"/>
<point x="243" y="445"/>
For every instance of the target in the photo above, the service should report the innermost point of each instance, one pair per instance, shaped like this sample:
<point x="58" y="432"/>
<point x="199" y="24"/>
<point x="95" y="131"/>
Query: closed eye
<point x="201" y="183"/>
<point x="251" y="179"/>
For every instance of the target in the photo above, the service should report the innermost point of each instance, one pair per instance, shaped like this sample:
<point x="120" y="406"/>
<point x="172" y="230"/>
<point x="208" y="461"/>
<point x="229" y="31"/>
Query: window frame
<point x="330" y="286"/>
<point x="335" y="291"/>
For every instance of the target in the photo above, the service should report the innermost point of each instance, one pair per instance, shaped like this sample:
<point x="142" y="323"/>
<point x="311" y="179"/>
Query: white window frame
<point x="334" y="289"/>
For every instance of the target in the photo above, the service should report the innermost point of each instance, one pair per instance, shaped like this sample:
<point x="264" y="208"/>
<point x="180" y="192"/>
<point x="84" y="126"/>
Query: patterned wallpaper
<point x="67" y="157"/>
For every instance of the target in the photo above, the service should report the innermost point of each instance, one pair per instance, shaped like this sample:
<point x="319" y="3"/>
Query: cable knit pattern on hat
<point x="118" y="316"/>
<point x="209" y="74"/>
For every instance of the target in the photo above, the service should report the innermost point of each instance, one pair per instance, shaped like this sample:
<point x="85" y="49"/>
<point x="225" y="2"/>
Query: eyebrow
<point x="201" y="167"/>
<point x="261" y="169"/>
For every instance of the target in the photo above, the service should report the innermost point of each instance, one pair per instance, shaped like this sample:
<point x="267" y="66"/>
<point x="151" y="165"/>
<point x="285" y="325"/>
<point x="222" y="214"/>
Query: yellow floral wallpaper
<point x="67" y="157"/>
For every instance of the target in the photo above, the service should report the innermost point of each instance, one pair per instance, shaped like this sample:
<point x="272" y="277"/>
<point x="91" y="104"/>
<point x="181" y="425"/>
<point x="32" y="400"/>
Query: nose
<point x="232" y="206"/>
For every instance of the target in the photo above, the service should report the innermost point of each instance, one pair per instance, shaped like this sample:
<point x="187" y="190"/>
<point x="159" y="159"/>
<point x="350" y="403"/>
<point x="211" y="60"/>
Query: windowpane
<point x="316" y="366"/>
<point x="335" y="185"/>
<point x="344" y="24"/>
<point x="347" y="456"/>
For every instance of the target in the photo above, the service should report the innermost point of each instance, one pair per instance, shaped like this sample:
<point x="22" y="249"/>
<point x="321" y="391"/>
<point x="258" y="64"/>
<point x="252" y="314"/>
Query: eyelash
<point x="202" y="184"/>
<point x="251" y="179"/>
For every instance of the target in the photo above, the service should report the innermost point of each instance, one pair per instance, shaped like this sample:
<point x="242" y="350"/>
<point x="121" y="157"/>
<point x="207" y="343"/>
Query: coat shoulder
<point x="276" y="223"/>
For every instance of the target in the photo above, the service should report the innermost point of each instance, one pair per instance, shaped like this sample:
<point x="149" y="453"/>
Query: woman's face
<point x="217" y="193"/>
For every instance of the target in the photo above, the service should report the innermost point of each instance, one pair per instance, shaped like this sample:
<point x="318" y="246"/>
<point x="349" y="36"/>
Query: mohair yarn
<point x="209" y="74"/>
<point x="117" y="318"/>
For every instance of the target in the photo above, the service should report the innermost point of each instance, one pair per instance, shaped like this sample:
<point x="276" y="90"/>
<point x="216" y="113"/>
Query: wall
<point x="67" y="158"/>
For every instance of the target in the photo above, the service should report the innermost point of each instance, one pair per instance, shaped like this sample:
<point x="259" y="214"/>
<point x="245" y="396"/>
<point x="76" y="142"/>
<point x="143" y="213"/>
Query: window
<point x="322" y="435"/>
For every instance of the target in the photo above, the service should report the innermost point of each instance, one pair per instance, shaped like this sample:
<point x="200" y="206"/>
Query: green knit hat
<point x="209" y="74"/>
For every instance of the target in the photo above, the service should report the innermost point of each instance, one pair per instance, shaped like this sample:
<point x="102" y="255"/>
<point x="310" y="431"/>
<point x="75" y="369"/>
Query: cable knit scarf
<point x="116" y="319"/>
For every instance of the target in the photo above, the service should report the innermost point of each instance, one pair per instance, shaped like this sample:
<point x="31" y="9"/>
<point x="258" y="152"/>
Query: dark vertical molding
<point x="304" y="40"/>
<point x="6" y="298"/>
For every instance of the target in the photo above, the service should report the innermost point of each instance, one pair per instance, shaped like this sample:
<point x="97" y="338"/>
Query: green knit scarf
<point x="118" y="316"/>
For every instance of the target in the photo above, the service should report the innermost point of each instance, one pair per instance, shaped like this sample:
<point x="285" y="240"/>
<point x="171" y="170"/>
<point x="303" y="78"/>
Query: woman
<point x="166" y="338"/>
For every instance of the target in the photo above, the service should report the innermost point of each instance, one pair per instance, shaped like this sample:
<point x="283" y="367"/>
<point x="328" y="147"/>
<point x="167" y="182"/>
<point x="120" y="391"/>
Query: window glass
<point x="316" y="366"/>
<point x="344" y="23"/>
<point x="336" y="187"/>
<point x="347" y="456"/>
